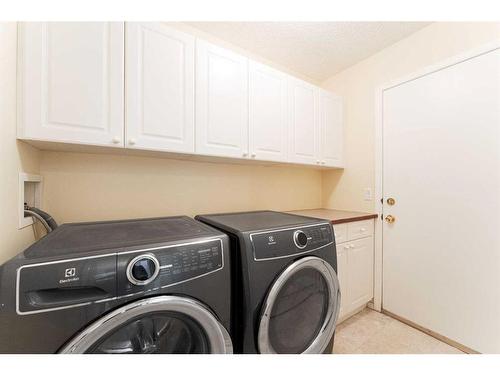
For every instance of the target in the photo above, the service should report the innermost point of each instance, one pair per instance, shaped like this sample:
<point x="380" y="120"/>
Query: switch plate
<point x="367" y="194"/>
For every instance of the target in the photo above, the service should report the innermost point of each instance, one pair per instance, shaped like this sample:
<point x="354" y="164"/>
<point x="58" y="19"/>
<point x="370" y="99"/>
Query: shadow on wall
<point x="330" y="181"/>
<point x="88" y="187"/>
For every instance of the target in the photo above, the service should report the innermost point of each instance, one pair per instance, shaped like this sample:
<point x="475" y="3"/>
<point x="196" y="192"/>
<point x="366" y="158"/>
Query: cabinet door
<point x="221" y="101"/>
<point x="342" y="275"/>
<point x="304" y="122"/>
<point x="331" y="138"/>
<point x="267" y="113"/>
<point x="159" y="88"/>
<point x="360" y="272"/>
<point x="71" y="82"/>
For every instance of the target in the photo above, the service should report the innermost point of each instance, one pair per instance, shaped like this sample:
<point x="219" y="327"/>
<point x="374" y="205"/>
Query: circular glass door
<point x="301" y="309"/>
<point x="158" y="325"/>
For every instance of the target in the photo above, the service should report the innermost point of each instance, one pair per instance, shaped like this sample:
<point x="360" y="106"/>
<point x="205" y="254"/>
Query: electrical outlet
<point x="367" y="194"/>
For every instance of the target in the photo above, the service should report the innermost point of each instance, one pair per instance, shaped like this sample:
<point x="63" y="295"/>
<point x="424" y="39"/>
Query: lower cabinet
<point x="354" y="265"/>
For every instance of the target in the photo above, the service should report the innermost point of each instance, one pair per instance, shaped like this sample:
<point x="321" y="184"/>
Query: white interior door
<point x="71" y="82"/>
<point x="159" y="88"/>
<point x="441" y="164"/>
<point x="267" y="113"/>
<point x="221" y="101"/>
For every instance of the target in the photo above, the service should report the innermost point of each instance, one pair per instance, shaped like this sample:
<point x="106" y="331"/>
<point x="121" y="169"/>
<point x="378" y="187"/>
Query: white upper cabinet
<point x="153" y="87"/>
<point x="303" y="122"/>
<point x="267" y="113"/>
<point x="71" y="82"/>
<point x="221" y="101"/>
<point x="159" y="83"/>
<point x="331" y="134"/>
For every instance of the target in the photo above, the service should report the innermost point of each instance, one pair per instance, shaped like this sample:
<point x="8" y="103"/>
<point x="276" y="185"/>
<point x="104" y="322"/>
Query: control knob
<point x="143" y="269"/>
<point x="300" y="239"/>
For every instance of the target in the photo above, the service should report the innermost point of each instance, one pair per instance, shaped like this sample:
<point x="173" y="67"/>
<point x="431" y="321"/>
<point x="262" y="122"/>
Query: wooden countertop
<point x="336" y="216"/>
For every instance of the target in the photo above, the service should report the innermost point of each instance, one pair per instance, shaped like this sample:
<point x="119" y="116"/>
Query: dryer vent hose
<point x="47" y="221"/>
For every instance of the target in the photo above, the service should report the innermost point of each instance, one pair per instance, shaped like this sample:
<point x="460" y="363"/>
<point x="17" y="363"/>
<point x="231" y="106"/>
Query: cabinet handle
<point x="253" y="155"/>
<point x="351" y="246"/>
<point x="244" y="154"/>
<point x="323" y="162"/>
<point x="116" y="140"/>
<point x="131" y="141"/>
<point x="363" y="229"/>
<point x="317" y="161"/>
<point x="346" y="247"/>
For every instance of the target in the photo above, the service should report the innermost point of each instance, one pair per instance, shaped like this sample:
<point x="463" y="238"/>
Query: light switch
<point x="367" y="194"/>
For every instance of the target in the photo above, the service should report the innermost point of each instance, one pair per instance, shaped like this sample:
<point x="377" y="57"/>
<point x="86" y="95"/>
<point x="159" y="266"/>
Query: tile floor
<point x="370" y="332"/>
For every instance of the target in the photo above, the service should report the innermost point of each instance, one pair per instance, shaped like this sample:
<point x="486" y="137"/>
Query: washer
<point x="286" y="293"/>
<point x="137" y="286"/>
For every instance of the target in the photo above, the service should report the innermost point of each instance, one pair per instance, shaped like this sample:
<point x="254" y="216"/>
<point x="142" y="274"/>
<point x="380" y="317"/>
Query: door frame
<point x="379" y="157"/>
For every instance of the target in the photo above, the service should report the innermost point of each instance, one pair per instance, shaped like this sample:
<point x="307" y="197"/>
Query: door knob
<point x="390" y="219"/>
<point x="391" y="201"/>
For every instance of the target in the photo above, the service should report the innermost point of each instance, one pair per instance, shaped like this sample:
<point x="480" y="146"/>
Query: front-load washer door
<point x="162" y="325"/>
<point x="301" y="309"/>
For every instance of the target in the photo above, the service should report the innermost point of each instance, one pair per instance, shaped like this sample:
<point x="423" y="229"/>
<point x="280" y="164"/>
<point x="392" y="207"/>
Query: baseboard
<point x="351" y="313"/>
<point x="436" y="335"/>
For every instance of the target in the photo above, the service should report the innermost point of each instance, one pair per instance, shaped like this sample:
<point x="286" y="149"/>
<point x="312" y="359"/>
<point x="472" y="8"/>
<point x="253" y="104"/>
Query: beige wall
<point x="14" y="156"/>
<point x="93" y="187"/>
<point x="358" y="84"/>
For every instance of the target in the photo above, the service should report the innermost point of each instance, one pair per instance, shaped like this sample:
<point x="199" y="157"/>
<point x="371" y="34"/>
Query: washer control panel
<point x="288" y="242"/>
<point x="163" y="266"/>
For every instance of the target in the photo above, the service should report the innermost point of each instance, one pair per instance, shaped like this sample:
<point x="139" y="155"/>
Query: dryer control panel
<point x="289" y="242"/>
<point x="156" y="268"/>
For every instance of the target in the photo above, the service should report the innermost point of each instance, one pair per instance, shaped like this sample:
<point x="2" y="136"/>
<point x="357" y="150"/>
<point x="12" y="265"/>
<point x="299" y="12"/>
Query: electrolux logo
<point x="271" y="240"/>
<point x="69" y="276"/>
<point x="70" y="272"/>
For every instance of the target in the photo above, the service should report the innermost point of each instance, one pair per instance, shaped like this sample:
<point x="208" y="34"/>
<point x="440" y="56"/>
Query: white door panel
<point x="71" y="82"/>
<point x="342" y="272"/>
<point x="221" y="101"/>
<point x="360" y="260"/>
<point x="267" y="113"/>
<point x="441" y="266"/>
<point x="331" y="129"/>
<point x="304" y="122"/>
<point x="159" y="88"/>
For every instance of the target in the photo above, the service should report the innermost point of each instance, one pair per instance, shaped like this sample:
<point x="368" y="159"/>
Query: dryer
<point x="136" y="286"/>
<point x="286" y="295"/>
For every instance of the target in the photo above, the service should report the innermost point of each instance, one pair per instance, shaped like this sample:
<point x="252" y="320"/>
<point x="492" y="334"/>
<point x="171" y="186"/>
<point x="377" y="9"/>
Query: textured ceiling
<point x="315" y="49"/>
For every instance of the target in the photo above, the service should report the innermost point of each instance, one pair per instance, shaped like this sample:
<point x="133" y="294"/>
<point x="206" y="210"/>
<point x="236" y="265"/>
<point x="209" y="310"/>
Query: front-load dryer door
<point x="301" y="309"/>
<point x="163" y="325"/>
